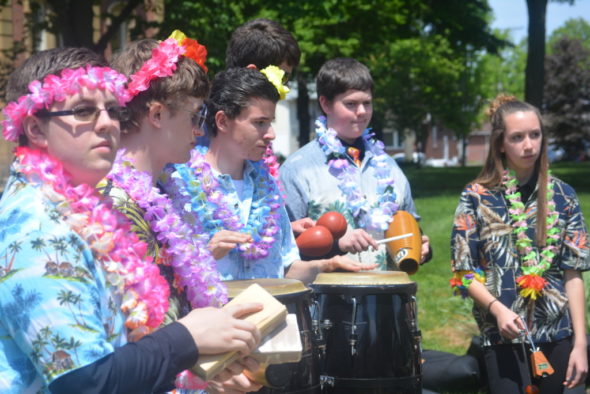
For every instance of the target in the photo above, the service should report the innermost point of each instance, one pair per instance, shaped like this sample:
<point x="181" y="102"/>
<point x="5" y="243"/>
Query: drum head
<point x="274" y="286"/>
<point x="364" y="282"/>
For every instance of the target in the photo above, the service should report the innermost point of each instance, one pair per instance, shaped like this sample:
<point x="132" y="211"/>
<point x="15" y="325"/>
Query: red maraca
<point x="531" y="389"/>
<point x="335" y="222"/>
<point x="316" y="241"/>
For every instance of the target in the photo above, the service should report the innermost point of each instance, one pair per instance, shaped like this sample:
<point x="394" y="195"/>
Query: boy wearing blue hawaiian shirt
<point x="74" y="278"/>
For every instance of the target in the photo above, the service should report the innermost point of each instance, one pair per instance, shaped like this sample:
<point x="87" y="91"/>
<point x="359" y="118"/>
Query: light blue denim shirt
<point x="57" y="313"/>
<point x="233" y="266"/>
<point x="311" y="190"/>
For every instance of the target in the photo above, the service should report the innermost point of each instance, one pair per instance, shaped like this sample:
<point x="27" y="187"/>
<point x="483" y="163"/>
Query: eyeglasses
<point x="89" y="113"/>
<point x="198" y="118"/>
<point x="286" y="77"/>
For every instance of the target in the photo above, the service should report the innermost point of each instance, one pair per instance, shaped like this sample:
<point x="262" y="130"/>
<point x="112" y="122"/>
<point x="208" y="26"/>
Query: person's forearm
<point x="305" y="271"/>
<point x="149" y="365"/>
<point x="481" y="295"/>
<point x="574" y="288"/>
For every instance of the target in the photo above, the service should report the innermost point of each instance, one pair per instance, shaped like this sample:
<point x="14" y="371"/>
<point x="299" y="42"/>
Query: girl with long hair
<point x="519" y="244"/>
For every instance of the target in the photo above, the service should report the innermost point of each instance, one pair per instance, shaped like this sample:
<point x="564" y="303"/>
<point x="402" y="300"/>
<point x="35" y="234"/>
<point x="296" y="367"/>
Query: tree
<point x="535" y="73"/>
<point x="567" y="94"/>
<point x="417" y="76"/>
<point x="324" y="29"/>
<point x="504" y="72"/>
<point x="573" y="28"/>
<point x="71" y="21"/>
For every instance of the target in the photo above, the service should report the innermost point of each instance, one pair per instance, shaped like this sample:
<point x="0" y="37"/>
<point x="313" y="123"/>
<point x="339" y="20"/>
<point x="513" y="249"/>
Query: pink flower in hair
<point x="38" y="94"/>
<point x="161" y="64"/>
<point x="163" y="61"/>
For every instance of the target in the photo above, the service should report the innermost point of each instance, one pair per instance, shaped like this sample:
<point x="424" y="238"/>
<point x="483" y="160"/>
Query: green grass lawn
<point x="445" y="320"/>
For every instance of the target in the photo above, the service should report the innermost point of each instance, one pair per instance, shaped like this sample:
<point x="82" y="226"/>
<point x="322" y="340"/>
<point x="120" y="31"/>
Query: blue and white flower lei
<point x="370" y="217"/>
<point x="210" y="208"/>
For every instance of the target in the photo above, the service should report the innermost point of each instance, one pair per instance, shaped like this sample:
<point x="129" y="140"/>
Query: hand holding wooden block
<point x="273" y="314"/>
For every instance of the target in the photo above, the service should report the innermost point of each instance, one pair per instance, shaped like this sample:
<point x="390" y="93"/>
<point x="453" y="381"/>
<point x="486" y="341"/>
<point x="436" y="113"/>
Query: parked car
<point x="417" y="158"/>
<point x="555" y="153"/>
<point x="452" y="162"/>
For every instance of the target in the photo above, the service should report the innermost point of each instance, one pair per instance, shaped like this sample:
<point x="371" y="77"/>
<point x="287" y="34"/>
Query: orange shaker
<point x="405" y="252"/>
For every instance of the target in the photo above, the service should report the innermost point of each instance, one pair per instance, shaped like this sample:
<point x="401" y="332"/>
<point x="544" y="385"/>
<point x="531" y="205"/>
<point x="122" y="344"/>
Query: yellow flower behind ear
<point x="178" y="36"/>
<point x="275" y="76"/>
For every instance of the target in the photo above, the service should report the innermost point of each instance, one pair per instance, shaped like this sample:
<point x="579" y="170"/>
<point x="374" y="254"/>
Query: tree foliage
<point x="422" y="52"/>
<point x="573" y="28"/>
<point x="504" y="72"/>
<point x="419" y="51"/>
<point x="567" y="94"/>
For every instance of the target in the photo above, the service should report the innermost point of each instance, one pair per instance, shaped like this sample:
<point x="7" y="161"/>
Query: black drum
<point x="303" y="376"/>
<point x="367" y="332"/>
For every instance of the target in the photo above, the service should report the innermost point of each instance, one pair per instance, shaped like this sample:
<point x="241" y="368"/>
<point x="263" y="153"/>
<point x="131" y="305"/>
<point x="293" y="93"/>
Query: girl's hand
<point x="509" y="323"/>
<point x="577" y="367"/>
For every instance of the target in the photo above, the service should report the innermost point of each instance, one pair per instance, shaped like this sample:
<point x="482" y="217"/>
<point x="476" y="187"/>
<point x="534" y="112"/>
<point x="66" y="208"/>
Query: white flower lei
<point x="370" y="217"/>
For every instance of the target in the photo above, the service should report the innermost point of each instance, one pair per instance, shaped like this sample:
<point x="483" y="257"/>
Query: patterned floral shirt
<point x="483" y="238"/>
<point x="311" y="190"/>
<point x="178" y="303"/>
<point x="57" y="311"/>
<point x="283" y="251"/>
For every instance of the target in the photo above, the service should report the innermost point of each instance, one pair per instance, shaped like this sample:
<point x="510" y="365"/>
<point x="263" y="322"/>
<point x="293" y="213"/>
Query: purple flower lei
<point x="370" y="217"/>
<point x="190" y="258"/>
<point x="211" y="209"/>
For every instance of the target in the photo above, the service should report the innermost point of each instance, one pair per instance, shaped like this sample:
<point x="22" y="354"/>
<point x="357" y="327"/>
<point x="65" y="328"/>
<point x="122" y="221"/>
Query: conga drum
<point x="303" y="376"/>
<point x="367" y="332"/>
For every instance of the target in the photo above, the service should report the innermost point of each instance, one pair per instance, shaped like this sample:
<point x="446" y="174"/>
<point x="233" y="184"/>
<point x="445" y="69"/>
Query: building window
<point x="393" y="139"/>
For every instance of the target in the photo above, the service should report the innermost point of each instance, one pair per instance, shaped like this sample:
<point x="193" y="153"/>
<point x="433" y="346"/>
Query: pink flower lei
<point x="56" y="89"/>
<point x="193" y="264"/>
<point x="164" y="59"/>
<point x="271" y="162"/>
<point x="371" y="217"/>
<point x="108" y="233"/>
<point x="211" y="209"/>
<point x="533" y="265"/>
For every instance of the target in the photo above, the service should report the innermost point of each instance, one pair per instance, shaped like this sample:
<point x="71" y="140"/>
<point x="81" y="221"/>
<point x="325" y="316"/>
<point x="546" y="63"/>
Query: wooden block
<point x="282" y="345"/>
<point x="272" y="315"/>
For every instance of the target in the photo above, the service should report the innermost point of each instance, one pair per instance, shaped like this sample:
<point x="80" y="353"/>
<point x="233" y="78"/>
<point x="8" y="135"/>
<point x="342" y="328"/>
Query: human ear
<point x="221" y="121"/>
<point x="154" y="114"/>
<point x="325" y="105"/>
<point x="36" y="131"/>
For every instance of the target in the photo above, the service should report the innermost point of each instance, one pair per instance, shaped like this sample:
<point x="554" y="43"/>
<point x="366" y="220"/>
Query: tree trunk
<point x="125" y="14"/>
<point x="74" y="21"/>
<point x="303" y="110"/>
<point x="535" y="65"/>
<point x="464" y="150"/>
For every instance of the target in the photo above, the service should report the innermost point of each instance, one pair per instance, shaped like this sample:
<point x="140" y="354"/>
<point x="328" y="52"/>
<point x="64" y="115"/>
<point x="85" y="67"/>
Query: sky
<point x="513" y="15"/>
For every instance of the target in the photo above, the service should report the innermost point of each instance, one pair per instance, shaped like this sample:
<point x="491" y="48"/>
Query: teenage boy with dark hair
<point x="263" y="42"/>
<point x="232" y="195"/>
<point x="344" y="169"/>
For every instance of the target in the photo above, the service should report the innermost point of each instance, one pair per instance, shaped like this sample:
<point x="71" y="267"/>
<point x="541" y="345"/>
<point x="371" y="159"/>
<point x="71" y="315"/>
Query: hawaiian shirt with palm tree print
<point x="57" y="313"/>
<point x="311" y="190"/>
<point x="483" y="238"/>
